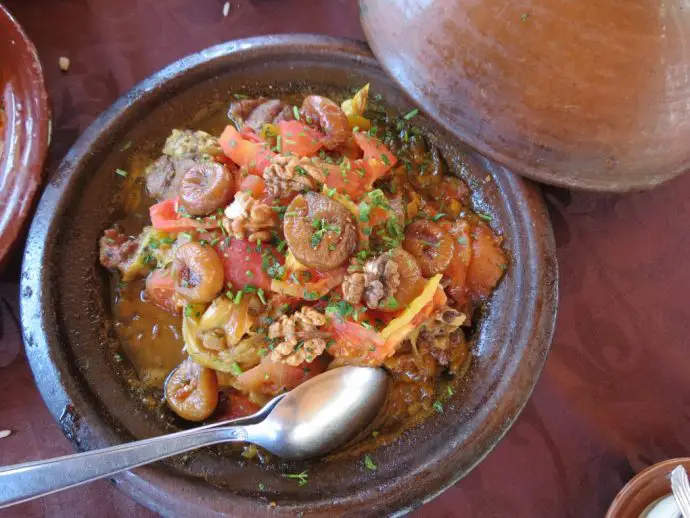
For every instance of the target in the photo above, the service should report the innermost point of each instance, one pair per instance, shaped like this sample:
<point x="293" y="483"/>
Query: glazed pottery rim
<point x="36" y="308"/>
<point x="649" y="473"/>
<point x="29" y="103"/>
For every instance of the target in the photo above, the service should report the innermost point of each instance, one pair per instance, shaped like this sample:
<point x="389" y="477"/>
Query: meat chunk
<point x="254" y="113"/>
<point x="163" y="177"/>
<point x="116" y="249"/>
<point x="183" y="149"/>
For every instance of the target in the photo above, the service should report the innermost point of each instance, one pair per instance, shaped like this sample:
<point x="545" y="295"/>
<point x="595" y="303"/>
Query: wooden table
<point x="612" y="397"/>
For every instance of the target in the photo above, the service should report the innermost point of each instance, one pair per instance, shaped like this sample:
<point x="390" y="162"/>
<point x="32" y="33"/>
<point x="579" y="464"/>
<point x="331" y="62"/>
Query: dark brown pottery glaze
<point x="68" y="327"/>
<point x="25" y="135"/>
<point x="590" y="94"/>
<point x="646" y="487"/>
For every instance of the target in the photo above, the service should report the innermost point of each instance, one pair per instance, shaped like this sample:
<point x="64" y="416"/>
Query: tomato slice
<point x="359" y="176"/>
<point x="245" y="153"/>
<point x="356" y="342"/>
<point x="243" y="263"/>
<point x="378" y="159"/>
<point x="271" y="378"/>
<point x="254" y="184"/>
<point x="298" y="138"/>
<point x="164" y="216"/>
<point x="236" y="406"/>
<point x="160" y="290"/>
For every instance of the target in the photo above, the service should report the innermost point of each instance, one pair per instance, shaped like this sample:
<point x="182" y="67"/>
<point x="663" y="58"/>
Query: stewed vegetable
<point x="310" y="234"/>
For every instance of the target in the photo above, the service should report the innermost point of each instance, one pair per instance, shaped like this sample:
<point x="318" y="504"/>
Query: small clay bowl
<point x="67" y="319"/>
<point x="644" y="488"/>
<point x="26" y="130"/>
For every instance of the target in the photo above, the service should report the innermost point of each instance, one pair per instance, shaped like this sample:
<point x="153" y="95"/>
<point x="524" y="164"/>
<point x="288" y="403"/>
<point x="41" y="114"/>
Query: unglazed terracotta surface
<point x="590" y="94"/>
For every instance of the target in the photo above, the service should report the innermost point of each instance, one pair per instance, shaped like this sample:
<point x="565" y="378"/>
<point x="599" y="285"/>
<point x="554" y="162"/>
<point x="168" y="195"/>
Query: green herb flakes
<point x="438" y="406"/>
<point x="369" y="463"/>
<point x="302" y="478"/>
<point x="122" y="173"/>
<point x="411" y="114"/>
<point x="236" y="369"/>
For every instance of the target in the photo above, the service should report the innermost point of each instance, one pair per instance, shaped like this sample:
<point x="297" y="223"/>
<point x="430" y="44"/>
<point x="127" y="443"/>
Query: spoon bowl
<point x="323" y="413"/>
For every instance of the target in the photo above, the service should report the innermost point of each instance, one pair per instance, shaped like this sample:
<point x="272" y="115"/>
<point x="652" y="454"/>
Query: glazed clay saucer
<point x="24" y="138"/>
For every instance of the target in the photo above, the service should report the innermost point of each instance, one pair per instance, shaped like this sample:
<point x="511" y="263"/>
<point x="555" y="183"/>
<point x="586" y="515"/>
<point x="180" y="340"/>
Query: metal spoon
<point x="311" y="420"/>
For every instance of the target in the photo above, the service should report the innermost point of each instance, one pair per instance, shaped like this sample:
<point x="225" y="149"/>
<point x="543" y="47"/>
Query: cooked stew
<point x="307" y="235"/>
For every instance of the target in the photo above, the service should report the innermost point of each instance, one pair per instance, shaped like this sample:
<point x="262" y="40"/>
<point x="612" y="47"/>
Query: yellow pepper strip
<point x="404" y="321"/>
<point x="358" y="104"/>
<point x="359" y="121"/>
<point x="292" y="264"/>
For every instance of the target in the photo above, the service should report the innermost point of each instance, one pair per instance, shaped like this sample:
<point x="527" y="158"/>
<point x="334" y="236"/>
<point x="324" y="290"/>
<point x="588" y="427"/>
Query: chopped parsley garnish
<point x="310" y="295"/>
<point x="236" y="369"/>
<point x="301" y="170"/>
<point x="364" y="211"/>
<point x="378" y="198"/>
<point x="449" y="390"/>
<point x="295" y="112"/>
<point x="302" y="478"/>
<point x="249" y="273"/>
<point x="186" y="235"/>
<point x="369" y="463"/>
<point x="261" y="295"/>
<point x="121" y="172"/>
<point x="485" y="217"/>
<point x="411" y="114"/>
<point x="438" y="406"/>
<point x="439" y="216"/>
<point x="390" y="303"/>
<point x="261" y="487"/>
<point x="188" y="311"/>
<point x="330" y="192"/>
<point x="240" y="96"/>
<point x="342" y="307"/>
<point x="321" y="226"/>
<point x="385" y="159"/>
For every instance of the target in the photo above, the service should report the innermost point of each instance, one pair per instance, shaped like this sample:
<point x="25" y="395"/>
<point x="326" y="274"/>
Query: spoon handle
<point x="23" y="482"/>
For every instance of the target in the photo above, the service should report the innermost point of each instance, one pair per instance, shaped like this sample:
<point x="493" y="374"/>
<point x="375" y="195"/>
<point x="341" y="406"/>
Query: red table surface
<point x="611" y="399"/>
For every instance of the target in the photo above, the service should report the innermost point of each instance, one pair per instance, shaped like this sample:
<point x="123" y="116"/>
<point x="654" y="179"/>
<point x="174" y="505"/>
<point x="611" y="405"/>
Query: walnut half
<point x="301" y="338"/>
<point x="290" y="174"/>
<point x="379" y="281"/>
<point x="246" y="216"/>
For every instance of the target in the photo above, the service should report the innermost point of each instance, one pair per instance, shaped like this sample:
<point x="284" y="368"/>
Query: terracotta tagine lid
<point x="593" y="94"/>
